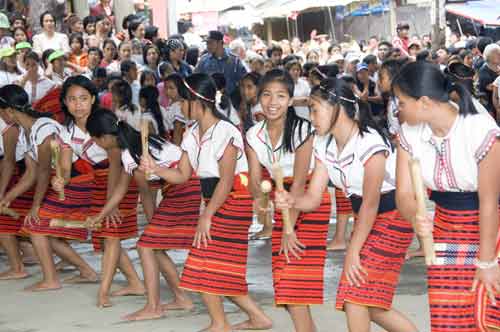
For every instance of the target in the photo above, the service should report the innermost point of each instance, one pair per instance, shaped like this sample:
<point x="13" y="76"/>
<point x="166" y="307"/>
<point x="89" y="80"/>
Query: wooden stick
<point x="278" y="178"/>
<point x="145" y="139"/>
<point x="427" y="242"/>
<point x="9" y="212"/>
<point x="265" y="187"/>
<point x="56" y="159"/>
<point x="57" y="222"/>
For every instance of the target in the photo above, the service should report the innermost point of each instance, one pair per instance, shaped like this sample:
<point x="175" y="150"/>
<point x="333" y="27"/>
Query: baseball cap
<point x="215" y="35"/>
<point x="6" y="52"/>
<point x="4" y="21"/>
<point x="55" y="55"/>
<point x="361" y="66"/>
<point x="22" y="45"/>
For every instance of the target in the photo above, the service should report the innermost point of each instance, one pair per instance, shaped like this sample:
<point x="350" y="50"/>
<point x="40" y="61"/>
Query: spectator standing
<point x="402" y="40"/>
<point x="49" y="38"/>
<point x="220" y="60"/>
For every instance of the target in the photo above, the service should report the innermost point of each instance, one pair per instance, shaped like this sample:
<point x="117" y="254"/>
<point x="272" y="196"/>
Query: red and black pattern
<point x="301" y="281"/>
<point x="453" y="306"/>
<point x="174" y="223"/>
<point x="128" y="210"/>
<point x="343" y="204"/>
<point x="382" y="256"/>
<point x="76" y="206"/>
<point x="220" y="268"/>
<point x="21" y="205"/>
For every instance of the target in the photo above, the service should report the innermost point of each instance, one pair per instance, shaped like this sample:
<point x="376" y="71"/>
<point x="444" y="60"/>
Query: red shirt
<point x="106" y="101"/>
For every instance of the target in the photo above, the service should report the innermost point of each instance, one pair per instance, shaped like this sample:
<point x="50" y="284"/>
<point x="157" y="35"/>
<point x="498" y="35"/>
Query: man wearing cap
<point x="402" y="40"/>
<point x="220" y="60"/>
<point x="57" y="70"/>
<point x="5" y="39"/>
<point x="9" y="71"/>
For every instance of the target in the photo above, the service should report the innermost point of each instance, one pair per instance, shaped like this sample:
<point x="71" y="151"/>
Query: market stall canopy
<point x="486" y="12"/>
<point x="280" y="8"/>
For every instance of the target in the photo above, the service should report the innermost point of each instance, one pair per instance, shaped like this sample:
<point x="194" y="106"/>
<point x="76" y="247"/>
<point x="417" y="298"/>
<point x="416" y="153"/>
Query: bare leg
<point x="168" y="269"/>
<point x="301" y="317"/>
<point x="338" y="241"/>
<point x="392" y="320"/>
<point x="415" y="253"/>
<point x="109" y="263"/>
<point x="68" y="254"/>
<point x="152" y="309"/>
<point x="218" y="318"/>
<point x="358" y="317"/>
<point x="135" y="286"/>
<point x="258" y="320"/>
<point x="28" y="253"/>
<point x="267" y="231"/>
<point x="50" y="280"/>
<point x="16" y="271"/>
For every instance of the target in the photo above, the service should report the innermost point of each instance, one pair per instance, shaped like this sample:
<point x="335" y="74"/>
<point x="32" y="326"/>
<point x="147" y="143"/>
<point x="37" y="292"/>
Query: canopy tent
<point x="486" y="12"/>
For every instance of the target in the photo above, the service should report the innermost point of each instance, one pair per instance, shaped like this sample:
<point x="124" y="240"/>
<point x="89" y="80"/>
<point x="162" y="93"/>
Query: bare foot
<point x="87" y="278"/>
<point x="103" y="302"/>
<point x="13" y="275"/>
<point x="178" y="304"/>
<point x="264" y="324"/>
<point x="63" y="265"/>
<point x="336" y="245"/>
<point x="212" y="328"/>
<point x="130" y="291"/>
<point x="263" y="234"/>
<point x="43" y="286"/>
<point x="145" y="314"/>
<point x="415" y="253"/>
<point x="30" y="260"/>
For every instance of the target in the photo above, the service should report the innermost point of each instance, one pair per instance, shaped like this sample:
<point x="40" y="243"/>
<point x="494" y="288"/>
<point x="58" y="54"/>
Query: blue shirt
<point x="184" y="69"/>
<point x="229" y="65"/>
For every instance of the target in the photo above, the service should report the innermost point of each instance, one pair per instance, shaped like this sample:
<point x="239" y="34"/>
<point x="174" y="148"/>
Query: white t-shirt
<point x="258" y="139"/>
<point x="59" y="41"/>
<point x="9" y="78"/>
<point x="205" y="152"/>
<point x="302" y="89"/>
<point x="83" y="145"/>
<point x="451" y="162"/>
<point x="347" y="169"/>
<point x="168" y="156"/>
<point x="43" y="86"/>
<point x="41" y="129"/>
<point x="20" y="149"/>
<point x="133" y="119"/>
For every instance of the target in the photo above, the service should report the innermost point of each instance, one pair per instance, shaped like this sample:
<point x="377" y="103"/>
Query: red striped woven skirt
<point x="342" y="203"/>
<point x="453" y="306"/>
<point x="174" y="223"/>
<point x="220" y="268"/>
<point x="382" y="256"/>
<point x="301" y="281"/>
<point x="128" y="211"/>
<point x="21" y="205"/>
<point x="76" y="206"/>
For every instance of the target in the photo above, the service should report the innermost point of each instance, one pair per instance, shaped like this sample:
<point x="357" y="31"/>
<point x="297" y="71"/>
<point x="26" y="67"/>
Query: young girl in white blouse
<point x="298" y="253"/>
<point x="352" y="151"/>
<point x="173" y="224"/>
<point x="458" y="149"/>
<point x="213" y="149"/>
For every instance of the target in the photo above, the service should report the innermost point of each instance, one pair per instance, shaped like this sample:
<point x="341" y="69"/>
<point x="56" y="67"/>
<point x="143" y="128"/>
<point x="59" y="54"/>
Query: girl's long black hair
<point x="255" y="78"/>
<point x="338" y="91"/>
<point x="104" y="122"/>
<point x="122" y="89"/>
<point x="204" y="86"/>
<point x="420" y="79"/>
<point x="293" y="122"/>
<point x="150" y="95"/>
<point x="220" y="83"/>
<point x="82" y="82"/>
<point x="13" y="96"/>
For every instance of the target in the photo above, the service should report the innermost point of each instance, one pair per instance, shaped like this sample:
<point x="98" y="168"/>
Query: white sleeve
<point x="497" y="82"/>
<point x="371" y="144"/>
<point x="128" y="162"/>
<point x="226" y="135"/>
<point x="302" y="134"/>
<point x="37" y="47"/>
<point x="44" y="131"/>
<point x="319" y="148"/>
<point x="482" y="132"/>
<point x="65" y="44"/>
